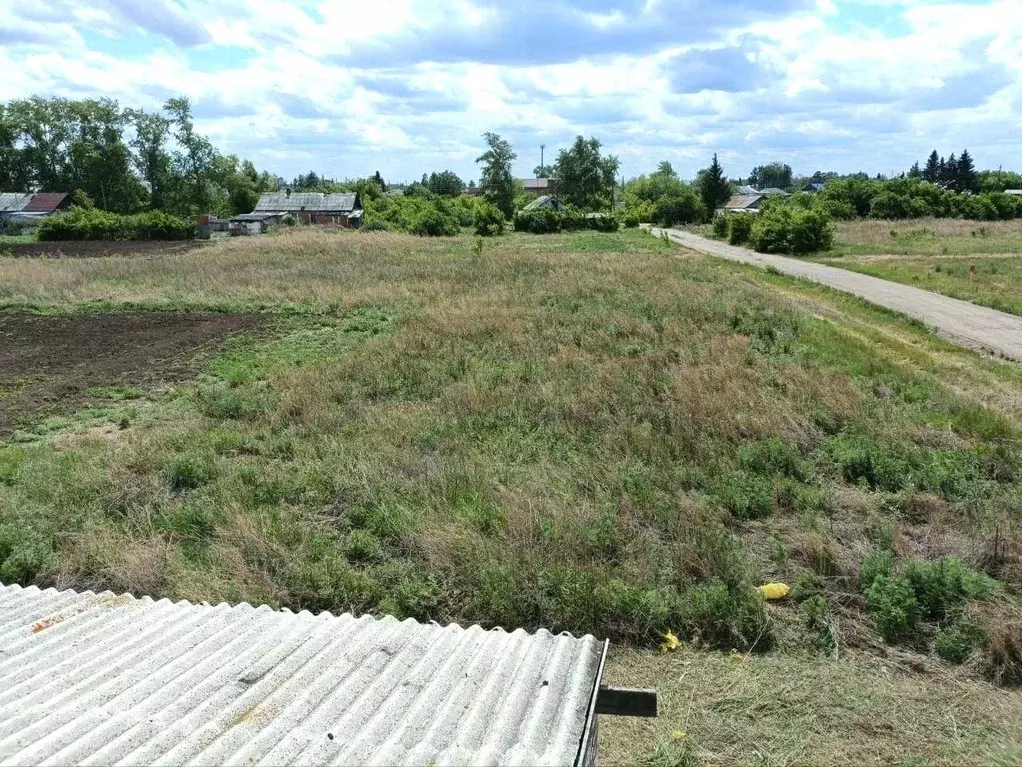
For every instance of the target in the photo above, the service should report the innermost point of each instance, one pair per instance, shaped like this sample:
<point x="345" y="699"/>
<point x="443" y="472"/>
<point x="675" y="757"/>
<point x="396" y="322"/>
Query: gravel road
<point x="964" y="323"/>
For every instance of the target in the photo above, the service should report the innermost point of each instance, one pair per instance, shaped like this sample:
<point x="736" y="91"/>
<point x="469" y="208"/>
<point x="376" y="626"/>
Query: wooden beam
<point x="626" y="701"/>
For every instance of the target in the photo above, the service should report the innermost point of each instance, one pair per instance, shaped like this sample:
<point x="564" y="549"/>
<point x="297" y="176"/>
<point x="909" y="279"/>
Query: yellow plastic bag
<point x="772" y="591"/>
<point x="670" y="643"/>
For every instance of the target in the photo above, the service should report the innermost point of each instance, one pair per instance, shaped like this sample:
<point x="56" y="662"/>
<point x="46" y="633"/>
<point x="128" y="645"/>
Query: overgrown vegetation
<point x="92" y="224"/>
<point x="575" y="432"/>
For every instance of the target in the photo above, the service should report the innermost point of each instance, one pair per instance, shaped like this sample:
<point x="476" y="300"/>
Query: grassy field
<point x="975" y="261"/>
<point x="589" y="432"/>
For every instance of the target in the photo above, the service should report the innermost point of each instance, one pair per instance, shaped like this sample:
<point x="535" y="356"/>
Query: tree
<point x="775" y="174"/>
<point x="713" y="185"/>
<point x="948" y="172"/>
<point x="543" y="171"/>
<point x="150" y="157"/>
<point x="586" y="179"/>
<point x="379" y="180"/>
<point x="446" y="184"/>
<point x="193" y="163"/>
<point x="497" y="182"/>
<point x="915" y="171"/>
<point x="932" y="170"/>
<point x="965" y="174"/>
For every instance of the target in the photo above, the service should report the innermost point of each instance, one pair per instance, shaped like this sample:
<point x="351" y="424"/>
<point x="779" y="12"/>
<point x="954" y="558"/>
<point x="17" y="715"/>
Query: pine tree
<point x="965" y="172"/>
<point x="713" y="186"/>
<point x="950" y="179"/>
<point x="932" y="170"/>
<point x="915" y="171"/>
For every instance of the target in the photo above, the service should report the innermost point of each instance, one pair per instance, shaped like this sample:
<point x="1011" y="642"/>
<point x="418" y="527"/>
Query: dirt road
<point x="964" y="323"/>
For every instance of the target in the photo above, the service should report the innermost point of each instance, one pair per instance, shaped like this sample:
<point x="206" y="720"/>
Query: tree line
<point x="123" y="160"/>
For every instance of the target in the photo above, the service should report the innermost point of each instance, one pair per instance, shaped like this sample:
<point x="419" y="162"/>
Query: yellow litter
<point x="774" y="590"/>
<point x="670" y="643"/>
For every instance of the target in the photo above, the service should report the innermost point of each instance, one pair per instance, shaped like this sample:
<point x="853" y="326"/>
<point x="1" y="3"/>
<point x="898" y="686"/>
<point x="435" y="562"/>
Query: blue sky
<point x="407" y="86"/>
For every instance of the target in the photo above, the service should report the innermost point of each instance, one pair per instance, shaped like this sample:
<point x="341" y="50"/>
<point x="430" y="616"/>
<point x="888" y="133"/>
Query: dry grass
<point x="774" y="710"/>
<point x="876" y="234"/>
<point x="580" y="432"/>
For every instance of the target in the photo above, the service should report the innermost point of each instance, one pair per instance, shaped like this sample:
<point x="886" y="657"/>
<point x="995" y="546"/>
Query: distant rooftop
<point x="313" y="202"/>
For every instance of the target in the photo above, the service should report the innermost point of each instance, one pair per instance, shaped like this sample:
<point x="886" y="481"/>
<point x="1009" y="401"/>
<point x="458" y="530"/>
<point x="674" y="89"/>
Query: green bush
<point x="876" y="564"/>
<point x="893" y="608"/>
<point x="631" y="220"/>
<point x="92" y="224"/>
<point x="488" y="219"/>
<point x="739" y="228"/>
<point x="957" y="641"/>
<point x="435" y="220"/>
<point x="745" y="495"/>
<point x="787" y="229"/>
<point x="942" y="587"/>
<point x="681" y="207"/>
<point x="537" y="221"/>
<point x="720" y="225"/>
<point x="726" y="617"/>
<point x="189" y="471"/>
<point x="605" y="222"/>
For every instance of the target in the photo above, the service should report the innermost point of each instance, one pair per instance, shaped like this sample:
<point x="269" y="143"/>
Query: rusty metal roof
<point x="44" y="202"/>
<point x="313" y="202"/>
<point x="104" y="679"/>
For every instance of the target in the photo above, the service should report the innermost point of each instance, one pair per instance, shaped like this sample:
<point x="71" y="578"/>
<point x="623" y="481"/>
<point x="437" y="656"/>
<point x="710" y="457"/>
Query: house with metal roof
<point x="545" y="202"/>
<point x="773" y="190"/>
<point x="46" y="203"/>
<point x="539" y="186"/>
<point x="105" y="678"/>
<point x="315" y="208"/>
<point x="747" y="189"/>
<point x="746" y="202"/>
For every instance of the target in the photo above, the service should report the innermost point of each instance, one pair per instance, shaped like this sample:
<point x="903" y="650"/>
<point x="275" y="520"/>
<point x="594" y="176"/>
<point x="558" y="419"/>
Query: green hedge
<point x="92" y="224"/>
<point x="549" y="221"/>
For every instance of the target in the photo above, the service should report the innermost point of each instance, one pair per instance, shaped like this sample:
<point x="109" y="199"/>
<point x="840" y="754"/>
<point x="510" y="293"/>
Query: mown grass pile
<point x="579" y="431"/>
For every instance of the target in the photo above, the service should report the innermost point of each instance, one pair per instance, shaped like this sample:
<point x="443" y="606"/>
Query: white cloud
<point x="406" y="86"/>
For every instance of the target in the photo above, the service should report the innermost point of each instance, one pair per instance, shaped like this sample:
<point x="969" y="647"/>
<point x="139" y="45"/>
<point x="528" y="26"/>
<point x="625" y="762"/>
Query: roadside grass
<point x="583" y="432"/>
<point x="927" y="237"/>
<point x="987" y="281"/>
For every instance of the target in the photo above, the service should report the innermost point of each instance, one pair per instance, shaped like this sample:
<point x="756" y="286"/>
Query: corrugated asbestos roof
<point x="740" y="201"/>
<point x="12" y="202"/>
<point x="312" y="202"/>
<point x="104" y="679"/>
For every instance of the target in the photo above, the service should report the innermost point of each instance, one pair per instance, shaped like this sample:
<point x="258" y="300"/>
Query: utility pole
<point x="542" y="148"/>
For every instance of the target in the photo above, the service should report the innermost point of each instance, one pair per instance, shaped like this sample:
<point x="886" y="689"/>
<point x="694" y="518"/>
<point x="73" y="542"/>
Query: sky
<point x="346" y="88"/>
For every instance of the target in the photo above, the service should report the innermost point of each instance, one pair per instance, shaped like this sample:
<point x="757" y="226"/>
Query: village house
<point x="342" y="209"/>
<point x="539" y="186"/>
<point x="30" y="207"/>
<point x="546" y="201"/>
<point x="745" y="202"/>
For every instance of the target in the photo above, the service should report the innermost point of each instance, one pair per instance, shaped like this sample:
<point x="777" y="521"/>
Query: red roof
<point x="44" y="202"/>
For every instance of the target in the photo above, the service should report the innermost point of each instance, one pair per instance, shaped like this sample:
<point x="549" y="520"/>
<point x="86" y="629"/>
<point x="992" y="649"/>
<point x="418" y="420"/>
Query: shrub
<point x="958" y="640"/>
<point x="739" y="228"/>
<point x="720" y="223"/>
<point x="892" y="607"/>
<point x="942" y="587"/>
<point x="782" y="228"/>
<point x="726" y="617"/>
<point x="288" y="219"/>
<point x="682" y="207"/>
<point x="642" y="211"/>
<point x="537" y="221"/>
<point x="631" y="220"/>
<point x="745" y="495"/>
<point x="91" y="224"/>
<point x="435" y="220"/>
<point x="488" y="219"/>
<point x="605" y="222"/>
<point x="816" y="614"/>
<point x="876" y="564"/>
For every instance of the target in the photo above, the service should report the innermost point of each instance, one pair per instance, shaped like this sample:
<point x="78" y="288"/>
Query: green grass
<point x="587" y="432"/>
<point x="995" y="282"/>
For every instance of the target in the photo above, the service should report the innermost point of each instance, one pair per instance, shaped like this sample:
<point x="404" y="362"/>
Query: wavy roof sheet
<point x="106" y="679"/>
<point x="312" y="202"/>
